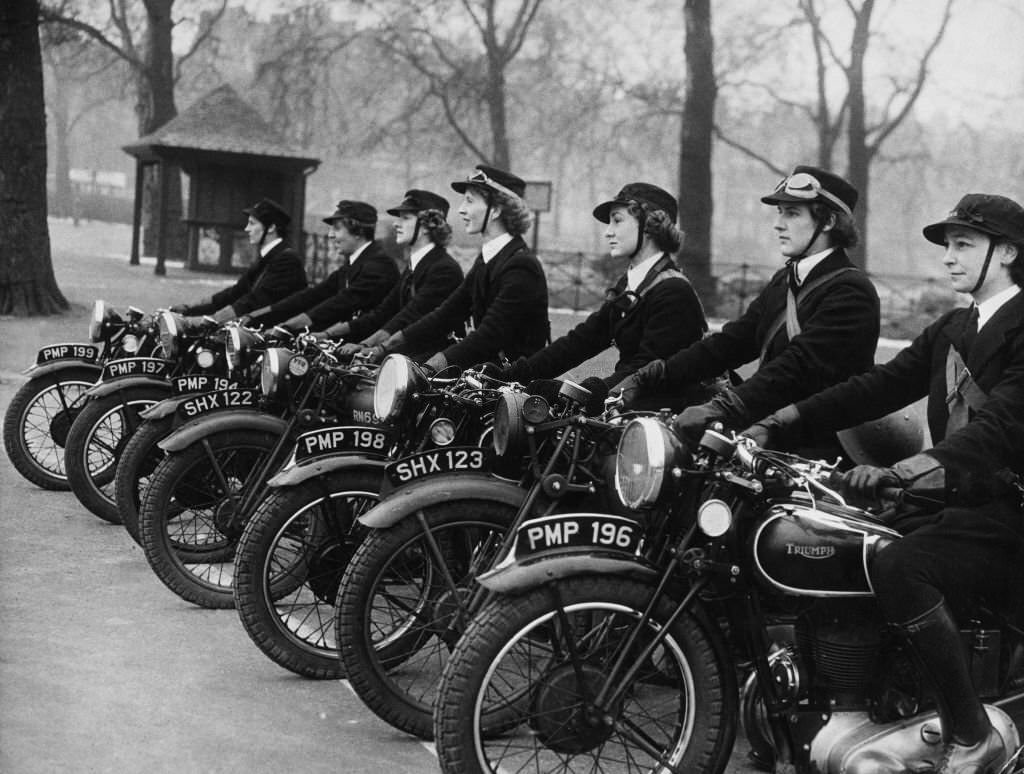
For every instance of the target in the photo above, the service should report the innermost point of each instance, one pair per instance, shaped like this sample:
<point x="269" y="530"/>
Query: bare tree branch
<point x="748" y="152"/>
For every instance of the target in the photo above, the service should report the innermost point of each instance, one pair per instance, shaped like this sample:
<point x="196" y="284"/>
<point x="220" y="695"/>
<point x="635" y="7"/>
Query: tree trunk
<point x="695" y="145"/>
<point x="857" y="150"/>
<point x="500" y="154"/>
<point x="27" y="284"/>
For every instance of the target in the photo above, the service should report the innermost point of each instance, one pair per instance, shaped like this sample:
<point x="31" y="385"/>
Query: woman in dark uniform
<point x="651" y="312"/>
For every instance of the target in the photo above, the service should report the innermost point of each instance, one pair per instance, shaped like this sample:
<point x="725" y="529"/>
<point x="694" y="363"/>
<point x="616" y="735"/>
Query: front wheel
<point x="403" y="604"/>
<point x="37" y="422"/>
<point x="544" y="663"/>
<point x="138" y="462"/>
<point x="95" y="443"/>
<point x="290" y="561"/>
<point x="188" y="513"/>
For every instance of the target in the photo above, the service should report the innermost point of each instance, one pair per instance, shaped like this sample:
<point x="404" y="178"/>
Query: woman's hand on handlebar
<point x="871" y="485"/>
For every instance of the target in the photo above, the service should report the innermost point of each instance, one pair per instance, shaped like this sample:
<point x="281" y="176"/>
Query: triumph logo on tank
<point x="810" y="552"/>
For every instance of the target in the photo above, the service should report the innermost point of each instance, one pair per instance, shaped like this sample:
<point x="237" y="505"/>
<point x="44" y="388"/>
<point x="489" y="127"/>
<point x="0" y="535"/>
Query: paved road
<point x="104" y="670"/>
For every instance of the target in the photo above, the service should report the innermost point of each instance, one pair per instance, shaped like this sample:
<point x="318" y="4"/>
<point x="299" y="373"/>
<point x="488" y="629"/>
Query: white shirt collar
<point x="357" y="252"/>
<point x="805" y="265"/>
<point x="417" y="255"/>
<point x="494" y="246"/>
<point x="635" y="274"/>
<point x="268" y="246"/>
<point x="990" y="306"/>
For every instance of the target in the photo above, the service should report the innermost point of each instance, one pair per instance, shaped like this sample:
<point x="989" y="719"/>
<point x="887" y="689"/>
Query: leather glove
<point x="437" y="362"/>
<point x="726" y="407"/>
<point x="493" y="371"/>
<point x="278" y="333"/>
<point x="863" y="482"/>
<point x="644" y="379"/>
<point x="772" y="431"/>
<point x="376" y="353"/>
<point x="520" y="371"/>
<point x="349" y="349"/>
<point x="179" y="309"/>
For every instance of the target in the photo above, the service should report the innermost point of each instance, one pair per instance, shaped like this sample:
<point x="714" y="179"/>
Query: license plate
<point x="85" y="352"/>
<point x="136" y="366"/>
<point x="182" y="385"/>
<point x="215" y="401"/>
<point x="354" y="439"/>
<point x="450" y="460"/>
<point x="577" y="530"/>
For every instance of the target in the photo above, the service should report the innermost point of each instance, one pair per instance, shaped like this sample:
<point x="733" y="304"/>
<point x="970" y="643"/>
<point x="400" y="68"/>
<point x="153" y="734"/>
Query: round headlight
<point x="509" y="427"/>
<point x="169" y="325"/>
<point x="647" y="451"/>
<point x="130" y="343"/>
<point x="233" y="348"/>
<point x="442" y="431"/>
<point x="397" y="378"/>
<point x="99" y="314"/>
<point x="714" y="517"/>
<point x="298" y="366"/>
<point x="205" y="358"/>
<point x="275" y="361"/>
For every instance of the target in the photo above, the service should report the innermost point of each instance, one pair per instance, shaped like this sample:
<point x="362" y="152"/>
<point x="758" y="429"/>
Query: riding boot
<point x="972" y="746"/>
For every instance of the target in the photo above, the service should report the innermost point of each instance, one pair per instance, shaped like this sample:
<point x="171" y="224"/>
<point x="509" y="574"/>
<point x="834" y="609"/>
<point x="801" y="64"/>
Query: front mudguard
<point x="126" y="383"/>
<point x="34" y="372"/>
<point x="521" y="576"/>
<point x="219" y="421"/>
<point x="441" y="488"/>
<point x="164" y="408"/>
<point x="321" y="466"/>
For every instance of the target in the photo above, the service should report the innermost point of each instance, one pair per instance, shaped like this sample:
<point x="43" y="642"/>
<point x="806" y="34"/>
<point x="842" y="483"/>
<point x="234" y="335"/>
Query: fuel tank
<point x="817" y="549"/>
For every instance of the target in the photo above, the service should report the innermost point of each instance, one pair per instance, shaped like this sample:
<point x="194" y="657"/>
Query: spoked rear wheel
<point x="289" y="564"/>
<point x="402" y="605"/>
<point x="545" y="664"/>
<point x="37" y="422"/>
<point x="187" y="509"/>
<point x="135" y="470"/>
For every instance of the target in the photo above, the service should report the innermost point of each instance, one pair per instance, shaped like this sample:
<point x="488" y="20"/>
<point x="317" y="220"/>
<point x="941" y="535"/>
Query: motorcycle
<point x="295" y="548"/>
<point x="218" y="460"/>
<point x="40" y="414"/>
<point x="612" y="650"/>
<point x="409" y="590"/>
<point x="110" y="409"/>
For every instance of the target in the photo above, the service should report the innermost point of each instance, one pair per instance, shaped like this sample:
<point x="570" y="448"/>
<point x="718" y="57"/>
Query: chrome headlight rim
<point x="99" y="316"/>
<point x="275" y="363"/>
<point x="714" y="517"/>
<point x="646" y="453"/>
<point x="442" y="432"/>
<point x="397" y="378"/>
<point x="170" y="333"/>
<point x="233" y="348"/>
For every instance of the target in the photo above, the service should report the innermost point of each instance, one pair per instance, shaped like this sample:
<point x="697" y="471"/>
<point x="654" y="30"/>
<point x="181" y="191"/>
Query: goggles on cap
<point x="806" y="186"/>
<point x="479" y="177"/>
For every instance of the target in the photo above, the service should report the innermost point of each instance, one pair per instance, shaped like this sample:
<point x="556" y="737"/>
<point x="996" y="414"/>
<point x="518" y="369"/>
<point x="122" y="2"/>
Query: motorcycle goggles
<point x="479" y="177"/>
<point x="807" y="187"/>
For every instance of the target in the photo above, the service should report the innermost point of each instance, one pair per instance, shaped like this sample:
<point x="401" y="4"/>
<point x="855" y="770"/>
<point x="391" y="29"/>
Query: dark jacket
<point x="418" y="291"/>
<point x="839" y="324"/>
<point x="993" y="439"/>
<point x="507" y="301"/>
<point x="656" y="324"/>
<point x="344" y="293"/>
<point x="274" y="276"/>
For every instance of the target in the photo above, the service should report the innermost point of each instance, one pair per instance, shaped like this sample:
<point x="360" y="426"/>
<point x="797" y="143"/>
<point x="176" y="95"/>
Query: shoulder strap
<point x="960" y="383"/>
<point x="788" y="316"/>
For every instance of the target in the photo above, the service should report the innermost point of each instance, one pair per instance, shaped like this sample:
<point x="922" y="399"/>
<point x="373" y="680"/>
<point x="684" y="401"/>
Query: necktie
<point x="970" y="331"/>
<point x="793" y="284"/>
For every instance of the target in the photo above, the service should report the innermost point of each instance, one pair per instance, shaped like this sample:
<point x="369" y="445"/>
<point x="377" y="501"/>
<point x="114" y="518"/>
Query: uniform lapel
<point x="1007" y="319"/>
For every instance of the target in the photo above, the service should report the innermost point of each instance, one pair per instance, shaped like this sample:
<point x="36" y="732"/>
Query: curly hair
<point x="844" y="231"/>
<point x="435" y="226"/>
<point x="658" y="226"/>
<point x="513" y="213"/>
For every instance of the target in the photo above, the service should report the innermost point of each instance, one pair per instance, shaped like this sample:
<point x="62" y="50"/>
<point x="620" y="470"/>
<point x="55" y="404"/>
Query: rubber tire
<point x="368" y="668"/>
<point x="138" y="461"/>
<point x="256" y="601"/>
<point x="169" y="562"/>
<point x="84" y="483"/>
<point x="713" y="704"/>
<point x="14" y="419"/>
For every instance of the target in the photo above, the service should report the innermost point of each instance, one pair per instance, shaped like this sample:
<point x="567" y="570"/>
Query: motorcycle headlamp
<point x="512" y="414"/>
<point x="442" y="431"/>
<point x="99" y="316"/>
<point x="397" y="379"/>
<point x="170" y="326"/>
<point x="205" y="358"/>
<point x="130" y="343"/>
<point x="714" y="517"/>
<point x="275" y="364"/>
<point x="647" y="451"/>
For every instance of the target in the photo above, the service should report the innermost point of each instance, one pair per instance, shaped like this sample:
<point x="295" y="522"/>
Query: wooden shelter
<point x="232" y="158"/>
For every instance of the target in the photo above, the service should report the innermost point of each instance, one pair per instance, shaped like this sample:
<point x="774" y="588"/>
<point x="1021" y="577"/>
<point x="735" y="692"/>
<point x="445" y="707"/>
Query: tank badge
<point x="810" y="552"/>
